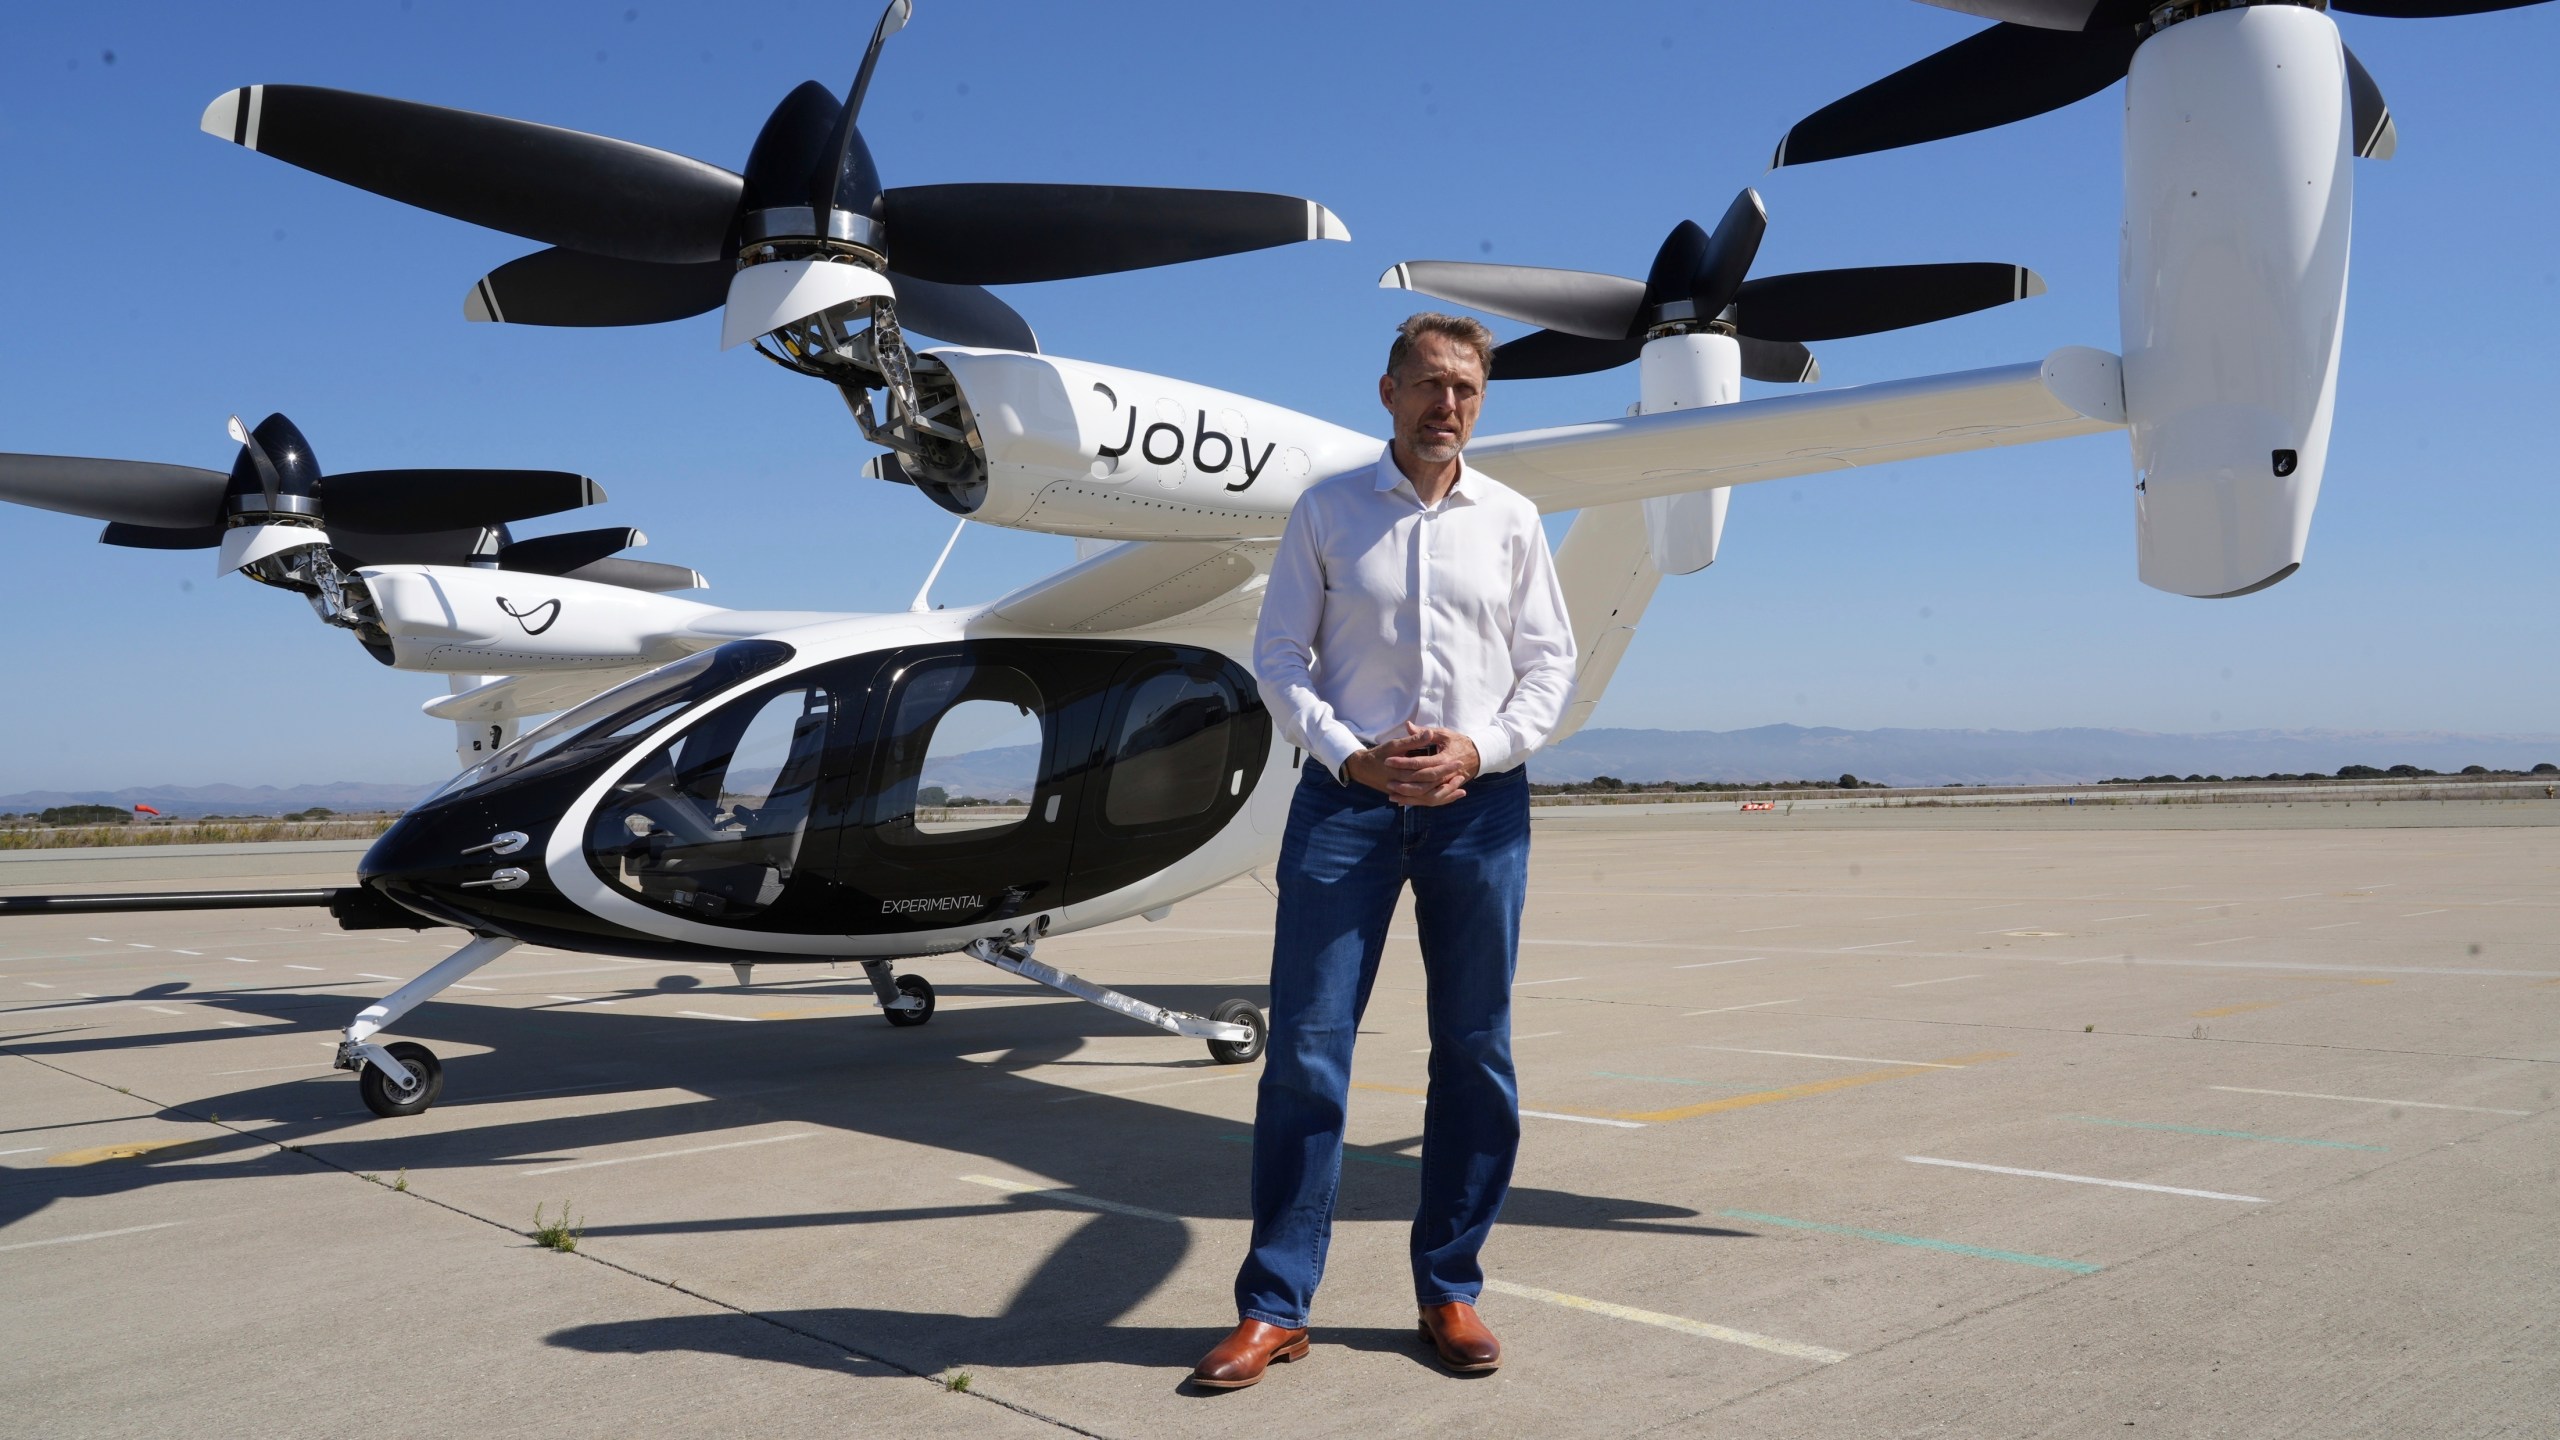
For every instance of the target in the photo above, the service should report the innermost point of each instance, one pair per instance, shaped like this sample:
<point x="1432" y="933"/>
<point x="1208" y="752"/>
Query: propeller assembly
<point x="279" y="519"/>
<point x="804" y="247"/>
<point x="1701" y="281"/>
<point x="2045" y="54"/>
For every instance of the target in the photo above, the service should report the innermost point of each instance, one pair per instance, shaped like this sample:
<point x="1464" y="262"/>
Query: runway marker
<point x="2224" y="1134"/>
<point x="1061" y="1193"/>
<point x="241" y="959"/>
<point x="2087" y="1180"/>
<point x="1701" y="1329"/>
<point x="1756" y="1005"/>
<point x="2340" y="925"/>
<point x="138" y="945"/>
<point x="101" y="939"/>
<point x="163" y="1010"/>
<point x="1584" y="1119"/>
<point x="2145" y="915"/>
<point x="28" y="1150"/>
<point x="1917" y="1242"/>
<point x="235" y="1024"/>
<point x="2414" y="914"/>
<point x="1809" y="1055"/>
<point x="570" y="999"/>
<point x="92" y="1235"/>
<point x="1941" y="980"/>
<point x="2368" y="1100"/>
<point x="664" y="1154"/>
<point x="369" y="975"/>
<point x="1561" y="980"/>
<point x="458" y="985"/>
<point x="302" y="967"/>
<point x="1878" y="945"/>
<point x="186" y="952"/>
<point x="1757" y="929"/>
<point x="1711" y="964"/>
<point x="709" y="1015"/>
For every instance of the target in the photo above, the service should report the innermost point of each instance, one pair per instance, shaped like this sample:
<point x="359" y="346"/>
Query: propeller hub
<point x="800" y="222"/>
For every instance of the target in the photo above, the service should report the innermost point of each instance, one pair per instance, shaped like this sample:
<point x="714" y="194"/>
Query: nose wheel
<point x="386" y="1096"/>
<point x="917" y="989"/>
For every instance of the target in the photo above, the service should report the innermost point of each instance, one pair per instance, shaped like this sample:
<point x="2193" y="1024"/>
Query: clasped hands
<point x="1426" y="765"/>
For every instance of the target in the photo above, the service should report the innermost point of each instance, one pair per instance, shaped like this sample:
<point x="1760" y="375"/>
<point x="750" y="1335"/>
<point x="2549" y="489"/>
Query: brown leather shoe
<point x="1460" y="1335"/>
<point x="1248" y="1350"/>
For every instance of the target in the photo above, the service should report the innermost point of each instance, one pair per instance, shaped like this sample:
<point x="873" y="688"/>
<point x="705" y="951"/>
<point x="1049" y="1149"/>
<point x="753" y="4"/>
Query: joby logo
<point x="549" y="610"/>
<point x="1163" y="444"/>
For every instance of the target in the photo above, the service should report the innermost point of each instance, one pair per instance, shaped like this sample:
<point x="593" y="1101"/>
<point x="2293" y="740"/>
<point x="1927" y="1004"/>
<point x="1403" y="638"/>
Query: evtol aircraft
<point x="760" y="788"/>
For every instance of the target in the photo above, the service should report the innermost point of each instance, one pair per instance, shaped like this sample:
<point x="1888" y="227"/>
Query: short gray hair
<point x="1470" y="333"/>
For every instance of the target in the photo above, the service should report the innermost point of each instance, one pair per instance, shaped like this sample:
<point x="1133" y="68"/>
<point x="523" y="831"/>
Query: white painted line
<point x="1878" y="945"/>
<point x="2232" y="940"/>
<point x="369" y="975"/>
<point x="1809" y="1055"/>
<point x="1070" y="1197"/>
<point x="101" y="939"/>
<point x="1941" y="980"/>
<point x="163" y="1010"/>
<point x="28" y="1150"/>
<point x="665" y="1154"/>
<point x="235" y="1024"/>
<point x="2414" y="914"/>
<point x="1756" y="929"/>
<point x="39" y="984"/>
<point x="1540" y="1035"/>
<point x="302" y="967"/>
<point x="2305" y="895"/>
<point x="187" y="952"/>
<point x="711" y="1015"/>
<point x="93" y="1235"/>
<point x="264" y="1069"/>
<point x="2145" y="915"/>
<point x="1585" y="1119"/>
<point x="1699" y="1328"/>
<point x="241" y="959"/>
<point x="2368" y="1100"/>
<point x="138" y="945"/>
<point x="1757" y="1005"/>
<point x="2087" y="1180"/>
<point x="2341" y="925"/>
<point x="1559" y="980"/>
<point x="570" y="999"/>
<point x="1710" y="964"/>
<point x="458" y="985"/>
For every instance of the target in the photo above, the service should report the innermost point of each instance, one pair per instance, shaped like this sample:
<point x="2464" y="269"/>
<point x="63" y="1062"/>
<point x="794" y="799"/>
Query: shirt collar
<point x="1392" y="477"/>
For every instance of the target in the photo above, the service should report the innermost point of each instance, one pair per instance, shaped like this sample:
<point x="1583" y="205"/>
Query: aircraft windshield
<point x="626" y="710"/>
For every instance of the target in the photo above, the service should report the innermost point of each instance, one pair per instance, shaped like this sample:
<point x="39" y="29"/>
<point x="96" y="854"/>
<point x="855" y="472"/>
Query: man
<point x="1414" y="644"/>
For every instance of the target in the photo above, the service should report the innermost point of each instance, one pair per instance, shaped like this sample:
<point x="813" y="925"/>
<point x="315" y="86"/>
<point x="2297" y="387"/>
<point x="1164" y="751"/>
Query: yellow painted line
<point x="1756" y="1097"/>
<point x="1805" y="1091"/>
<point x="2271" y="1004"/>
<point x="135" y="1150"/>
<point x="2221" y="1010"/>
<point x="1793" y="1348"/>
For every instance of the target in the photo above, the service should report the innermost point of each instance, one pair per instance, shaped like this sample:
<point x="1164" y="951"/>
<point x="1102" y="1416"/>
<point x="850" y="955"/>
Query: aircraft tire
<point x="386" y="1099"/>
<point x="1239" y="1052"/>
<point x="921" y="989"/>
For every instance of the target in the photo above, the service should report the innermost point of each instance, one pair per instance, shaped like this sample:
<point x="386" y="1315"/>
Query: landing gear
<point x="904" y="999"/>
<point x="419" y="1085"/>
<point x="918" y="989"/>
<point x="1239" y="1052"/>
<point x="406" y="1078"/>
<point x="1234" y="1031"/>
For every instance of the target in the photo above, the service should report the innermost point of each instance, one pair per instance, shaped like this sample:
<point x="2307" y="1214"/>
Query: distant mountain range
<point x="1769" y="752"/>
<point x="2014" y="757"/>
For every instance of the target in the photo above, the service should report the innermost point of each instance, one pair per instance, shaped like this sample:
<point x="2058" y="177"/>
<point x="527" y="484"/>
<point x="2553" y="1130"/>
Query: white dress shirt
<point x="1382" y="609"/>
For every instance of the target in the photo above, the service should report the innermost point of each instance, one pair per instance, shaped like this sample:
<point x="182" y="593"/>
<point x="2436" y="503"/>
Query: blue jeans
<point x="1348" y="853"/>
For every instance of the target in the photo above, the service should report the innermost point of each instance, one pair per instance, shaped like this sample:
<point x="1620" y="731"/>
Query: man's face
<point x="1434" y="397"/>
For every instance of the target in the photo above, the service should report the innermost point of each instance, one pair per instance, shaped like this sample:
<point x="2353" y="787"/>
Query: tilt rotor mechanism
<point x="1700" y="281"/>
<point x="281" y="520"/>
<point x="2045" y="54"/>
<point x="807" y="248"/>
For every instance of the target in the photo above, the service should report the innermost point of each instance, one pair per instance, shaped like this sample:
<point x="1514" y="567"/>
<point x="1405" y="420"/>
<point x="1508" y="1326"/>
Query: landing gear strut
<point x="1234" y="1030"/>
<point x="406" y="1078"/>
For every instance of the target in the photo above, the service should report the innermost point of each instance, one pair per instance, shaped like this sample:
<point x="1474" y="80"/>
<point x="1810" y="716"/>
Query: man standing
<point x="1414" y="644"/>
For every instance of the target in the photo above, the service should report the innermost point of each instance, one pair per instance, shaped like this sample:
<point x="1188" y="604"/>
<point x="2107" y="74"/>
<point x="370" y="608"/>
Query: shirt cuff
<point x="1333" y="746"/>
<point x="1494" y="750"/>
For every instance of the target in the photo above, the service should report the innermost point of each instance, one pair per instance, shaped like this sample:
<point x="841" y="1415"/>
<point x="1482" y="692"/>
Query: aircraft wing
<point x="1142" y="583"/>
<point x="514" y="696"/>
<point x="2073" y="391"/>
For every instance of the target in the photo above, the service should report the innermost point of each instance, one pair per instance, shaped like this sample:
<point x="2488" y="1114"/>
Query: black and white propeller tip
<point x="1700" y="279"/>
<point x="642" y="235"/>
<point x="2044" y="54"/>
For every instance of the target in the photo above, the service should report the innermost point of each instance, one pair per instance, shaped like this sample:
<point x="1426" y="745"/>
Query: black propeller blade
<point x="2043" y="55"/>
<point x="179" y="507"/>
<point x="1699" y="277"/>
<point x="641" y="235"/>
<point x="571" y="550"/>
<point x="2005" y="73"/>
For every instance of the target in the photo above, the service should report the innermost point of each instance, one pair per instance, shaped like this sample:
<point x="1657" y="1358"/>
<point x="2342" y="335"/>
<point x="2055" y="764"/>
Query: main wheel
<point x="390" y="1101"/>
<point x="1239" y="1052"/>
<point x="918" y="988"/>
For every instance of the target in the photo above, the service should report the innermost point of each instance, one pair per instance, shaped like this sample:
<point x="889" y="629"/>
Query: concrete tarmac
<point x="2205" y="1121"/>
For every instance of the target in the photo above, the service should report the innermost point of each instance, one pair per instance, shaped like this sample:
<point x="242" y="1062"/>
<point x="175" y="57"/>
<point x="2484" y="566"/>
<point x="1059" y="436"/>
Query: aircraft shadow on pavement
<point x="849" y="1072"/>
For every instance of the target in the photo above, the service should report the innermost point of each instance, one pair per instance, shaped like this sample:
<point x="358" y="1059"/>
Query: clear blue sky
<point x="158" y="280"/>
